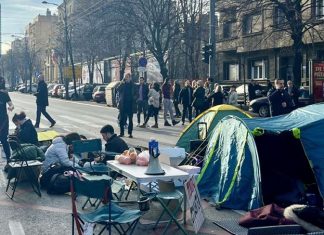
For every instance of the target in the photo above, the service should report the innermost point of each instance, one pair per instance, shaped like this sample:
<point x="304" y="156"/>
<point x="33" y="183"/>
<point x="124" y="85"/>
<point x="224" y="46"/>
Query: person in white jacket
<point x="58" y="151"/>
<point x="232" y="96"/>
<point x="154" y="104"/>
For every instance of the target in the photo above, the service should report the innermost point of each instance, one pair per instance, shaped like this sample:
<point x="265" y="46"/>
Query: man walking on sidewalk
<point x="42" y="102"/>
<point x="142" y="100"/>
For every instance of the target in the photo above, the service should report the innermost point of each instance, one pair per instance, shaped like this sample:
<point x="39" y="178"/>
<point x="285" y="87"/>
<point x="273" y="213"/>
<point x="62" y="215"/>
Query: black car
<point x="261" y="105"/>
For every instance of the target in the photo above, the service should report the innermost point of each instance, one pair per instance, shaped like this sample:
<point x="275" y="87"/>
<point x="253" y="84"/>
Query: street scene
<point x="162" y="117"/>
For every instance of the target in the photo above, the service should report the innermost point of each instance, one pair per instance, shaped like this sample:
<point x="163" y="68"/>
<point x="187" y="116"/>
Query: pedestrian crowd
<point x="147" y="99"/>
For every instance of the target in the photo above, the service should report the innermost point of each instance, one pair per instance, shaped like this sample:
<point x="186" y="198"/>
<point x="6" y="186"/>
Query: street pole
<point x="212" y="41"/>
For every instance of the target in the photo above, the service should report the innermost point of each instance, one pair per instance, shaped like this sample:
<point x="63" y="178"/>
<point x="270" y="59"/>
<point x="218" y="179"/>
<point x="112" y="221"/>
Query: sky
<point x="17" y="14"/>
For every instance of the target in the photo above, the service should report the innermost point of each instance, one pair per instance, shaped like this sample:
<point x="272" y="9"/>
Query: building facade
<point x="254" y="43"/>
<point x="41" y="34"/>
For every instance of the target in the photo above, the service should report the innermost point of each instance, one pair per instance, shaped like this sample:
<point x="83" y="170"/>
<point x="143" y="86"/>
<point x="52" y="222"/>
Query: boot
<point x="143" y="126"/>
<point x="155" y="126"/>
<point x="174" y="122"/>
<point x="166" y="123"/>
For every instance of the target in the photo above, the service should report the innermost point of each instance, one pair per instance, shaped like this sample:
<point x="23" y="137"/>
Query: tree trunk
<point x="298" y="60"/>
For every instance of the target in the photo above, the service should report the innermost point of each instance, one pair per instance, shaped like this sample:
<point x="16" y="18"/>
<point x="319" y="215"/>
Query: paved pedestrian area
<point x="51" y="214"/>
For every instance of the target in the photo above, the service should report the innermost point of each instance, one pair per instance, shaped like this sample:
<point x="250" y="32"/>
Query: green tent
<point x="210" y="117"/>
<point x="254" y="161"/>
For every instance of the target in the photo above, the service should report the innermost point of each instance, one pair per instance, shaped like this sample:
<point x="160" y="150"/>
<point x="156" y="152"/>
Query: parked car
<point x="72" y="94"/>
<point x="261" y="105"/>
<point x="24" y="89"/>
<point x="50" y="87"/>
<point x="258" y="93"/>
<point x="111" y="93"/>
<point x="99" y="93"/>
<point x="54" y="91"/>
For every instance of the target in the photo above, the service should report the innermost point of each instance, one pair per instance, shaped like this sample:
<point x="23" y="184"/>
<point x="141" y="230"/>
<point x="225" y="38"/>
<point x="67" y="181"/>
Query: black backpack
<point x="59" y="184"/>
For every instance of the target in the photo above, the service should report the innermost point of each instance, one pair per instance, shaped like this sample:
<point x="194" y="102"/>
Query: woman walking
<point x="154" y="104"/>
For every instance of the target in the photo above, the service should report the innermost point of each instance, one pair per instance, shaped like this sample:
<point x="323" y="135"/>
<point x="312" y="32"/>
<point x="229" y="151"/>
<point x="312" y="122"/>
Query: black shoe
<point x="36" y="126"/>
<point x="130" y="136"/>
<point x="182" y="123"/>
<point x="53" y="124"/>
<point x="174" y="122"/>
<point x="6" y="168"/>
<point x="166" y="123"/>
<point x="121" y="135"/>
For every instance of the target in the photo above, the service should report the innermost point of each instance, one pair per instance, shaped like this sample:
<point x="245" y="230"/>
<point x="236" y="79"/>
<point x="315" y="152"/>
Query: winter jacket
<point x="199" y="97"/>
<point x="30" y="151"/>
<point x="154" y="98"/>
<point x="116" y="144"/>
<point x="42" y="94"/>
<point x="276" y="98"/>
<point x="27" y="133"/>
<point x="186" y="96"/>
<point x="127" y="97"/>
<point x="217" y="97"/>
<point x="232" y="98"/>
<point x="56" y="153"/>
<point x="176" y="92"/>
<point x="145" y="91"/>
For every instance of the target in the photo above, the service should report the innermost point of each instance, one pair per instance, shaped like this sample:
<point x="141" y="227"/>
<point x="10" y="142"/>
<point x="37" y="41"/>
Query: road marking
<point x="16" y="228"/>
<point x="76" y="120"/>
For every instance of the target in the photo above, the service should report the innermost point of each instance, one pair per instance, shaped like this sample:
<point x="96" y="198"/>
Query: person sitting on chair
<point x="114" y="143"/>
<point x="25" y="132"/>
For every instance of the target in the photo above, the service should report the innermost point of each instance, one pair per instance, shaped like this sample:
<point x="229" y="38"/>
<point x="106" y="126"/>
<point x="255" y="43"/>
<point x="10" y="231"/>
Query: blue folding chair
<point x="110" y="215"/>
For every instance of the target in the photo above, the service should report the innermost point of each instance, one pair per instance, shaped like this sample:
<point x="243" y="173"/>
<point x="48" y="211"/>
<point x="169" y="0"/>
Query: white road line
<point x="16" y="228"/>
<point x="76" y="120"/>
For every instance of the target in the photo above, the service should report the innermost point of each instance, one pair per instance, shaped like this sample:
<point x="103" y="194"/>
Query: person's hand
<point x="284" y="104"/>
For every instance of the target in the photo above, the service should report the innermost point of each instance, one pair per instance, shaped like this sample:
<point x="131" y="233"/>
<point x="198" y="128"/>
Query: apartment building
<point x="253" y="43"/>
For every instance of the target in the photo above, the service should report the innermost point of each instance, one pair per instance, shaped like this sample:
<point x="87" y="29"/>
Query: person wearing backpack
<point x="57" y="158"/>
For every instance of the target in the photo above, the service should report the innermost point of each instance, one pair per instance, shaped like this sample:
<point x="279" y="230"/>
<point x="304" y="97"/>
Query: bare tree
<point x="157" y="24"/>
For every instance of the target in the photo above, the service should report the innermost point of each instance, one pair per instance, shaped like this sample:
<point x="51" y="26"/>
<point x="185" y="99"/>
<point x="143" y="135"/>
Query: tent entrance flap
<point x="286" y="173"/>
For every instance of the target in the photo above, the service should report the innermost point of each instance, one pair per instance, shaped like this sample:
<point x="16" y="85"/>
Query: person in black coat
<point x="252" y="88"/>
<point x="279" y="99"/>
<point x="42" y="102"/>
<point x="199" y="98"/>
<point x="176" y="92"/>
<point x="217" y="97"/>
<point x="127" y="104"/>
<point x="142" y="100"/>
<point x="26" y="132"/>
<point x="293" y="92"/>
<point x="114" y="143"/>
<point x="186" y="98"/>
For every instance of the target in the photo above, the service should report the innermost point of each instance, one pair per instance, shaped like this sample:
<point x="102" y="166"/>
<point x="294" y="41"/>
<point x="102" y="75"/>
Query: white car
<point x="72" y="94"/>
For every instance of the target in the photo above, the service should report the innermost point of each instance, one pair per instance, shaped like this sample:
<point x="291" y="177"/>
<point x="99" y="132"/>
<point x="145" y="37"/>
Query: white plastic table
<point x="137" y="174"/>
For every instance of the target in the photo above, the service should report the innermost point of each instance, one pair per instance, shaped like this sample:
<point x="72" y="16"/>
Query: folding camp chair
<point x="169" y="193"/>
<point x="110" y="215"/>
<point x="94" y="145"/>
<point x="23" y="167"/>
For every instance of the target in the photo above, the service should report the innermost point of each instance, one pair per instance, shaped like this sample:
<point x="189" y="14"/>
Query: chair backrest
<point x="84" y="146"/>
<point x="93" y="186"/>
<point x="166" y="186"/>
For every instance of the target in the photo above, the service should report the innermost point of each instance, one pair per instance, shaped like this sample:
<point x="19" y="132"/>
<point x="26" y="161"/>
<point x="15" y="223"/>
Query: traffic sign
<point x="142" y="62"/>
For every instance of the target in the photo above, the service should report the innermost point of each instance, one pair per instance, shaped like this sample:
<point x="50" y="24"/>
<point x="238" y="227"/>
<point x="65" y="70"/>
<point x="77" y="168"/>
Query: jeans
<point x="167" y="106"/>
<point x="141" y="108"/>
<point x="176" y="108"/>
<point x="42" y="110"/>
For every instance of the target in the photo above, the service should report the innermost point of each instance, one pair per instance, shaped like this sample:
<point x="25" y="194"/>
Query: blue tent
<point x="250" y="162"/>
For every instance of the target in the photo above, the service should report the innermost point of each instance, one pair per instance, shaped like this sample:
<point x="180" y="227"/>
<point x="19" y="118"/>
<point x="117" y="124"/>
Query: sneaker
<point x="166" y="123"/>
<point x="121" y="135"/>
<point x="174" y="122"/>
<point x="53" y="124"/>
<point x="142" y="126"/>
<point x="130" y="136"/>
<point x="155" y="126"/>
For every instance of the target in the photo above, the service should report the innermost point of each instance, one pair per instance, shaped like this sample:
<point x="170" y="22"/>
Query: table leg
<point x="185" y="208"/>
<point x="138" y="191"/>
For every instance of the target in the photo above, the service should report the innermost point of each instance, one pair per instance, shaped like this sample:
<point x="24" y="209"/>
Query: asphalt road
<point x="29" y="214"/>
<point x="87" y="118"/>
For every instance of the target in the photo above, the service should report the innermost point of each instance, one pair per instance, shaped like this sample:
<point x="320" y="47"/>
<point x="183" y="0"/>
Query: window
<point x="319" y="9"/>
<point x="259" y="69"/>
<point x="231" y="71"/>
<point x="229" y="30"/>
<point x="279" y="17"/>
<point x="252" y="24"/>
